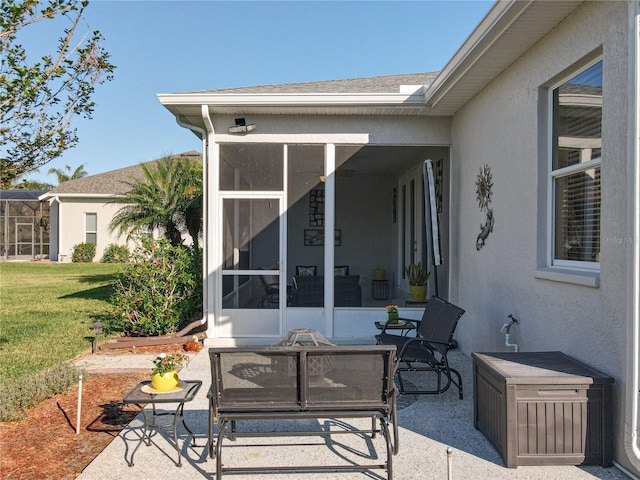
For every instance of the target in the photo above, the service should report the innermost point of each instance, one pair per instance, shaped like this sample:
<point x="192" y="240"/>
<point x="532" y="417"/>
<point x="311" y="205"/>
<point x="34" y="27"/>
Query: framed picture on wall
<point x="314" y="237"/>
<point x="316" y="208"/>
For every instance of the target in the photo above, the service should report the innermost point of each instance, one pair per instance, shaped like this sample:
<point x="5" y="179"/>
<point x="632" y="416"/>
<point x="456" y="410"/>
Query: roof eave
<point x="492" y="39"/>
<point x="53" y="194"/>
<point x="291" y="99"/>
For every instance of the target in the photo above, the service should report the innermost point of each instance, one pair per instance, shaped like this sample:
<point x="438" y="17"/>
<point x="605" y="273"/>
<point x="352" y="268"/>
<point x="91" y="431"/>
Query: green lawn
<point x="46" y="313"/>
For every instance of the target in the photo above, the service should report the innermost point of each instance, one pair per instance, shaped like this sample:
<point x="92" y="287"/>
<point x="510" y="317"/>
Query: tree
<point x="31" y="185"/>
<point x="39" y="99"/>
<point x="167" y="198"/>
<point x="66" y="174"/>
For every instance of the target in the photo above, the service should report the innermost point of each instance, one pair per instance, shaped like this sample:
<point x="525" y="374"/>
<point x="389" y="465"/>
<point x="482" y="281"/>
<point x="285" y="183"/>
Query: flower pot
<point x="418" y="292"/>
<point x="165" y="382"/>
<point x="392" y="317"/>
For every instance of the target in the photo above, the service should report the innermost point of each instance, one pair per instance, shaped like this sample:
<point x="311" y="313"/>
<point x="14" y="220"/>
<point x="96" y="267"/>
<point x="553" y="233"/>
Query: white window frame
<point x="553" y="175"/>
<point x="87" y="231"/>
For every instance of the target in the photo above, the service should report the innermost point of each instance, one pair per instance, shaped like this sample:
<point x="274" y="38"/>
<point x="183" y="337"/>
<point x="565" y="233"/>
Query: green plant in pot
<point x="164" y="376"/>
<point x="417" y="275"/>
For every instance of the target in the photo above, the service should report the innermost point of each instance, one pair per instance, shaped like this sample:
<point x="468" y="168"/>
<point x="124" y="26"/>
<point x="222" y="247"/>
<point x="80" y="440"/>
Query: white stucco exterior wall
<point x="504" y="127"/>
<point x="70" y="230"/>
<point x="339" y="129"/>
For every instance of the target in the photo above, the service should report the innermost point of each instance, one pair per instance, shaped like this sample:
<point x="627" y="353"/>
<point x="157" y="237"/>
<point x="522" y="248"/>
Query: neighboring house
<point x="545" y="94"/>
<point x="82" y="209"/>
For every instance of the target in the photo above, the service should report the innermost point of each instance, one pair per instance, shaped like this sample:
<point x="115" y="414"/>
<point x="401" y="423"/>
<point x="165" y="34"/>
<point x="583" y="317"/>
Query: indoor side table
<point x="139" y="396"/>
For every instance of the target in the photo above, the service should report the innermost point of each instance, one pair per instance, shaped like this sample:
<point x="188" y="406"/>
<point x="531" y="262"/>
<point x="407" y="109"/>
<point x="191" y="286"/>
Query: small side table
<point x="404" y="325"/>
<point x="139" y="397"/>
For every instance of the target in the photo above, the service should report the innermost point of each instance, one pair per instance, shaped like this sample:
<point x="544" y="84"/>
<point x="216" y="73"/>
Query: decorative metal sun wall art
<point x="483" y="194"/>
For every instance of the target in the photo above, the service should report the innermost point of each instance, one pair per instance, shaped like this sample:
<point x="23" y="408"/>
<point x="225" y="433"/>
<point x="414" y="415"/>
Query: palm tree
<point x="66" y="174"/>
<point x="167" y="198"/>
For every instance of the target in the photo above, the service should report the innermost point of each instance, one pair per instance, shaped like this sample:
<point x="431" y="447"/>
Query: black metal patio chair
<point x="427" y="351"/>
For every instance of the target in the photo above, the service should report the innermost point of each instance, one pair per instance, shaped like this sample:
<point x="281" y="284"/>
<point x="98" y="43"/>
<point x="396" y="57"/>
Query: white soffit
<point x="504" y="35"/>
<point x="187" y="105"/>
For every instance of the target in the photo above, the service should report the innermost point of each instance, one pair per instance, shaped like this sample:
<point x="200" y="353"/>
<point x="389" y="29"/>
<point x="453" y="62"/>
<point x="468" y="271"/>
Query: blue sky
<point x="176" y="46"/>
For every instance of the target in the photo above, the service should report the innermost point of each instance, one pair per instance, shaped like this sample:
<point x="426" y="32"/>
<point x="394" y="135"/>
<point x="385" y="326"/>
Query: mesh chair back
<point x="439" y="321"/>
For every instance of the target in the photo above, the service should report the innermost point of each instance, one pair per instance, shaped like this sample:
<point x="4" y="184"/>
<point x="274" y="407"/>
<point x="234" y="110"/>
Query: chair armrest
<point x="410" y="341"/>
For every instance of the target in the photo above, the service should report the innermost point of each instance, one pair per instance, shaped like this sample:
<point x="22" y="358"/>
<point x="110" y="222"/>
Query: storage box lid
<point x="541" y="368"/>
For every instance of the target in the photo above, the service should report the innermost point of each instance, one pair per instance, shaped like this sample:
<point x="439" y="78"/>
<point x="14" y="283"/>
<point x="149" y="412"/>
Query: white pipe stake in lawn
<point x="79" y="404"/>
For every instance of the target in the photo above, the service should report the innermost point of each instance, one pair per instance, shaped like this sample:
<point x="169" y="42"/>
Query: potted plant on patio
<point x="417" y="276"/>
<point x="164" y="375"/>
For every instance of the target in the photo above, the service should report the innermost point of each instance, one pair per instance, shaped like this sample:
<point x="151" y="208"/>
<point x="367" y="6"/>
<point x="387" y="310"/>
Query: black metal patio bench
<point x="295" y="383"/>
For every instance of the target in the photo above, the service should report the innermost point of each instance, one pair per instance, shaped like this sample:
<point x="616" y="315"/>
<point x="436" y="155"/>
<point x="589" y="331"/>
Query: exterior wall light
<point x="241" y="126"/>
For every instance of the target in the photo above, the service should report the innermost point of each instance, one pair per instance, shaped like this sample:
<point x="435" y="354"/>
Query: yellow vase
<point x="418" y="292"/>
<point x="378" y="274"/>
<point x="165" y="382"/>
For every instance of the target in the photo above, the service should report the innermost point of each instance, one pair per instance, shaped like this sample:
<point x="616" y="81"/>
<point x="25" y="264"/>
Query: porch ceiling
<point x="385" y="159"/>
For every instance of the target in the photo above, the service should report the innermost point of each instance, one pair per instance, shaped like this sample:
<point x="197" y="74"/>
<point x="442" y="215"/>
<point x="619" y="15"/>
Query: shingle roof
<point x="380" y="84"/>
<point x="113" y="182"/>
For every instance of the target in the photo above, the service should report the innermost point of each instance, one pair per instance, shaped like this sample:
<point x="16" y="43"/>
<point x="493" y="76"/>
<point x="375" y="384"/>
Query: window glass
<point x="91" y="222"/>
<point x="577" y="137"/>
<point x="578" y="216"/>
<point x="91" y="227"/>
<point x="251" y="167"/>
<point x="578" y="118"/>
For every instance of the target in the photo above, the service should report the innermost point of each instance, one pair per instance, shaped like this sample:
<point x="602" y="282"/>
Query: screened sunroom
<point x="312" y="214"/>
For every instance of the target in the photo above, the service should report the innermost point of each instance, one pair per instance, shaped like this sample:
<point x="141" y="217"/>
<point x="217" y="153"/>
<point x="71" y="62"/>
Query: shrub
<point x="19" y="394"/>
<point x="83" y="253"/>
<point x="115" y="254"/>
<point x="159" y="291"/>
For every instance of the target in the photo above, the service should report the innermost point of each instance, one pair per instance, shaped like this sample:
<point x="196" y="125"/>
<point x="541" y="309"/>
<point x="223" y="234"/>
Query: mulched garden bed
<point x="44" y="445"/>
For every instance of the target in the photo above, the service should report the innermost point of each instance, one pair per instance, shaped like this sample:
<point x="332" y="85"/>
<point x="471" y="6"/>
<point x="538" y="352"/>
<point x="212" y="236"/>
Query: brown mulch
<point x="44" y="445"/>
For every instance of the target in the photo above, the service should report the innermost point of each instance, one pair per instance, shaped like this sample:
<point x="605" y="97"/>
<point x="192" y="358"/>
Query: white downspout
<point x="631" y="417"/>
<point x="205" y="269"/>
<point x="56" y="199"/>
<point x="210" y="230"/>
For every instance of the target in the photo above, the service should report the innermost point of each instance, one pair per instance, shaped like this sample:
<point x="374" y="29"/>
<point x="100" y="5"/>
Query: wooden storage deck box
<point x="543" y="408"/>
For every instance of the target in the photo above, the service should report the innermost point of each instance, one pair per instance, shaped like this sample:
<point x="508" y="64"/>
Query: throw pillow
<point x="306" y="271"/>
<point x="341" y="271"/>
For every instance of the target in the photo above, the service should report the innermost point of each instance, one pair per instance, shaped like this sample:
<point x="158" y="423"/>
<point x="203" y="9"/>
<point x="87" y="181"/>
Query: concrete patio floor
<point x="428" y="425"/>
